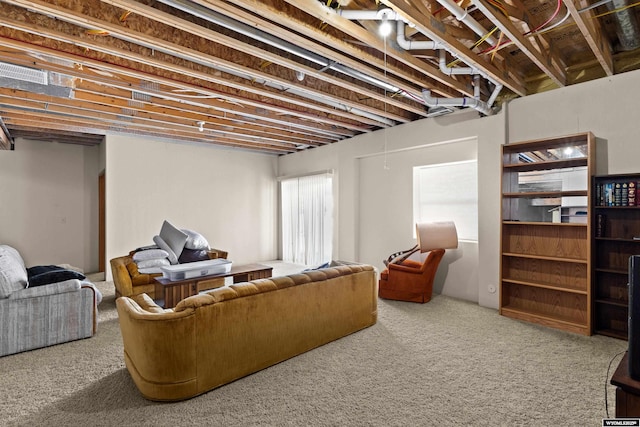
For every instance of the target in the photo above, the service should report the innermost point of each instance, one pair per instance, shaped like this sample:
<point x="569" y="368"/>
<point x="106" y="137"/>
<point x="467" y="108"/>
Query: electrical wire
<point x="385" y="164"/>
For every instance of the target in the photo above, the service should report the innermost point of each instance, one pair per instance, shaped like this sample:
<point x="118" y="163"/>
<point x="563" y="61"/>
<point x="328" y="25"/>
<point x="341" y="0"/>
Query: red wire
<point x="558" y="5"/>
<point x="548" y="20"/>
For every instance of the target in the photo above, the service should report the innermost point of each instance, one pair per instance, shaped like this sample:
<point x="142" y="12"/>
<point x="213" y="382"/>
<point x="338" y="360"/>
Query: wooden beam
<point x="118" y="120"/>
<point x="261" y="109"/>
<point x="35" y="121"/>
<point x="5" y="142"/>
<point x="434" y="29"/>
<point x="591" y="30"/>
<point x="366" y="63"/>
<point x="341" y="107"/>
<point x="523" y="43"/>
<point x="197" y="30"/>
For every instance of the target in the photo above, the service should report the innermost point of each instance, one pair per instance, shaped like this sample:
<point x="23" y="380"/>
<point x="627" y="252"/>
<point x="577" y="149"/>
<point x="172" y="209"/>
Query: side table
<point x="627" y="391"/>
<point x="173" y="292"/>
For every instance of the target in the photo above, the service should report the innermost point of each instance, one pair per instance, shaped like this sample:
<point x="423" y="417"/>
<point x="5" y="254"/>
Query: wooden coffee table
<point x="172" y="292"/>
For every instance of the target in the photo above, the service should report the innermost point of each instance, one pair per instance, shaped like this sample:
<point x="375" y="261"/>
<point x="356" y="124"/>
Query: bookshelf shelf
<point x="542" y="194"/>
<point x="546" y="267"/>
<point x="546" y="165"/>
<point x="616" y="219"/>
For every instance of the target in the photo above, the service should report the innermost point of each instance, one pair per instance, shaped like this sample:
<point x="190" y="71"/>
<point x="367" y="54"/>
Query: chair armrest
<point x="72" y="285"/>
<point x="217" y="253"/>
<point x="404" y="269"/>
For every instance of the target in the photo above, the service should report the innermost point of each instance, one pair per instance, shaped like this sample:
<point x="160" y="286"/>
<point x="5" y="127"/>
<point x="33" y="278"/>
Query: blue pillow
<point x="45" y="274"/>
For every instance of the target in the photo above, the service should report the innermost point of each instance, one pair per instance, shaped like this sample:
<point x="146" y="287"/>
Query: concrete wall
<point x="49" y="203"/>
<point x="227" y="196"/>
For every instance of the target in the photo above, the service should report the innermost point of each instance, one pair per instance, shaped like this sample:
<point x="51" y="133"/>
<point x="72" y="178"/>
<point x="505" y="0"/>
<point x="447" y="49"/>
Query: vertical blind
<point x="448" y="192"/>
<point x="307" y="219"/>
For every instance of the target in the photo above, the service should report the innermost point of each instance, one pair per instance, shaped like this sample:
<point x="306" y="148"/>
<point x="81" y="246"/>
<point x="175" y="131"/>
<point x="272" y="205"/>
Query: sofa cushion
<point x="13" y="275"/>
<point x="195" y="240"/>
<point x="46" y="274"/>
<point x="193" y="255"/>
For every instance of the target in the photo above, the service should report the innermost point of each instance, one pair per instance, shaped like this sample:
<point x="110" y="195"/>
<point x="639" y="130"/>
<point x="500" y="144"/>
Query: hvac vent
<point x="139" y="96"/>
<point x="147" y="85"/>
<point x="23" y="73"/>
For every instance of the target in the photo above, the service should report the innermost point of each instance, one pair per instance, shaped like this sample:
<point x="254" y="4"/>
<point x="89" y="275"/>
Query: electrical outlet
<point x="491" y="289"/>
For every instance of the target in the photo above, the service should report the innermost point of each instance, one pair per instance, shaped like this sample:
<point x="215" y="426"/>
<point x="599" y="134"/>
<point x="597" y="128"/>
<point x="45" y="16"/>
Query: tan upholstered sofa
<point x="129" y="281"/>
<point x="222" y="335"/>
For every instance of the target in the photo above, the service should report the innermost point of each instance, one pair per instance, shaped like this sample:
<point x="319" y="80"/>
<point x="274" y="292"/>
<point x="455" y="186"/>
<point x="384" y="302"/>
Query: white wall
<point x="49" y="203"/>
<point x="375" y="216"/>
<point x="607" y="107"/>
<point x="227" y="196"/>
<point x="230" y="196"/>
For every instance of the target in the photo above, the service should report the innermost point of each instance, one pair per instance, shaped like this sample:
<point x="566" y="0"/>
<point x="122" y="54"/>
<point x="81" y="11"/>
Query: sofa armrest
<point x="121" y="276"/>
<point x="217" y="253"/>
<point x="72" y="285"/>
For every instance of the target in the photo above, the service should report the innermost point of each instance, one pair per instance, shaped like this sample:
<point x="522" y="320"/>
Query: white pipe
<point x="495" y="93"/>
<point x="469" y="21"/>
<point x="256" y="34"/>
<point x="476" y="86"/>
<point x="369" y="15"/>
<point x="402" y="41"/>
<point x="466" y="101"/>
<point x="461" y="15"/>
<point x="453" y="70"/>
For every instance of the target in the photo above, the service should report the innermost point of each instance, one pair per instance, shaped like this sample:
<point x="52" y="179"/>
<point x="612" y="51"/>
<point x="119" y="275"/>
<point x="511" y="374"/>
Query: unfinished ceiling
<point x="279" y="76"/>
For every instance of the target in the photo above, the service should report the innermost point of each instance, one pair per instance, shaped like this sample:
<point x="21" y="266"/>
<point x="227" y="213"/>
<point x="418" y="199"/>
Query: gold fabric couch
<point x="216" y="337"/>
<point x="129" y="281"/>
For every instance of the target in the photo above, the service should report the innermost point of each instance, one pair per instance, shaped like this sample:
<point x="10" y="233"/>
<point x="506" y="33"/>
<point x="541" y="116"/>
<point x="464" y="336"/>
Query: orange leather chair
<point x="408" y="280"/>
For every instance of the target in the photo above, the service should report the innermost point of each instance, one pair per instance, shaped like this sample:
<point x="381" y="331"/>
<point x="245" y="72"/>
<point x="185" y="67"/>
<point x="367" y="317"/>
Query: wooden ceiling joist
<point x="278" y="76"/>
<point x="5" y="142"/>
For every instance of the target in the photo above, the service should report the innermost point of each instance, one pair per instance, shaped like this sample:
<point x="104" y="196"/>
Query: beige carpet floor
<point x="446" y="363"/>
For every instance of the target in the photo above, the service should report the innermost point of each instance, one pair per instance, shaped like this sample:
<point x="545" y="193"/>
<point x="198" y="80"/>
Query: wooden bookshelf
<point x="546" y="232"/>
<point x="616" y="227"/>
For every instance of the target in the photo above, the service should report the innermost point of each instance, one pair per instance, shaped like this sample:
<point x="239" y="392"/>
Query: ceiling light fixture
<point x="200" y="126"/>
<point x="385" y="27"/>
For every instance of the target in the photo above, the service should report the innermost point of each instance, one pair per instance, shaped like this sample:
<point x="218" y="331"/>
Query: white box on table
<point x="190" y="270"/>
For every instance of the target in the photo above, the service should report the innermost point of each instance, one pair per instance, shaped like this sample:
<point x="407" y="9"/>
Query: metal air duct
<point x="627" y="25"/>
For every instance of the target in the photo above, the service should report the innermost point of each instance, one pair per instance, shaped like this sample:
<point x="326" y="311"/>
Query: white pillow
<point x="195" y="240"/>
<point x="173" y="237"/>
<point x="173" y="259"/>
<point x="150" y="254"/>
<point x="157" y="262"/>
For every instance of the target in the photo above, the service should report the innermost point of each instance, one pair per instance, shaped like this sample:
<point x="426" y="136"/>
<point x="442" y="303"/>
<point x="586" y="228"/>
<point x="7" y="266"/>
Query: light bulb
<point x="385" y="28"/>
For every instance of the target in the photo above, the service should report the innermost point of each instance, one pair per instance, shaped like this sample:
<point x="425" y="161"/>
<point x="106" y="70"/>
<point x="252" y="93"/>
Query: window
<point x="448" y="192"/>
<point x="307" y="219"/>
